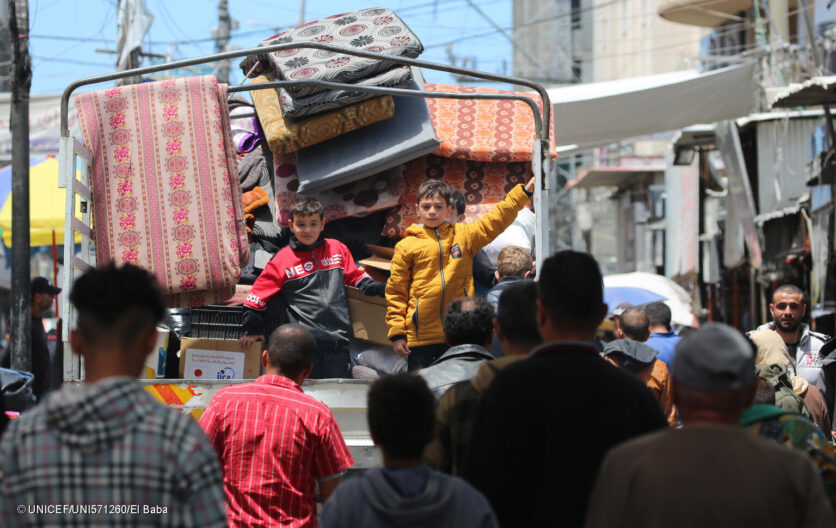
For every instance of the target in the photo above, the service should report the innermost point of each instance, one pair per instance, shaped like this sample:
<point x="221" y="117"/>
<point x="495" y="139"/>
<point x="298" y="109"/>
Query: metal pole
<point x="753" y="298"/>
<point x="538" y="119"/>
<point x="21" y="358"/>
<point x="224" y="24"/>
<point x="55" y="271"/>
<point x="539" y="88"/>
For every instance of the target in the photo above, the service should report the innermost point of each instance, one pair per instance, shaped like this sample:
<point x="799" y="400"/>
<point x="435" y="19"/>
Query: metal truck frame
<point x="345" y="397"/>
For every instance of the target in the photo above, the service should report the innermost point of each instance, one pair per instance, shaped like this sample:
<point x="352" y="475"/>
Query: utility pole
<point x="222" y="39"/>
<point x="21" y="357"/>
<point x="5" y="49"/>
<point x="221" y="34"/>
<point x="301" y="12"/>
<point x="133" y="21"/>
<point x="123" y="18"/>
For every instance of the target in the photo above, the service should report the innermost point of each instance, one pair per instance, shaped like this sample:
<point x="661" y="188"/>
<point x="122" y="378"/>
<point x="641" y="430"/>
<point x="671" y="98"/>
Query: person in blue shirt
<point x="662" y="338"/>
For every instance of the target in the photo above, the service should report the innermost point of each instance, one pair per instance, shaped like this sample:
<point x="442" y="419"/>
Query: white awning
<point x="614" y="176"/>
<point x="605" y="112"/>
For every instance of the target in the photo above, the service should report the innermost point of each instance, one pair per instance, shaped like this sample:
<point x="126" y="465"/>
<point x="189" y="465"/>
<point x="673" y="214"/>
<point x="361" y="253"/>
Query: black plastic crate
<point x="217" y="322"/>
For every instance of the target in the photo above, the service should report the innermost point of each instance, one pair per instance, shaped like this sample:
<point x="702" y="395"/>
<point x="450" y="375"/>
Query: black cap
<point x="42" y="285"/>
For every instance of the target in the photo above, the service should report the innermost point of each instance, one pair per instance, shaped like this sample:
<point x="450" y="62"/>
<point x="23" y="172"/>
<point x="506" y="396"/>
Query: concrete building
<point x="614" y="210"/>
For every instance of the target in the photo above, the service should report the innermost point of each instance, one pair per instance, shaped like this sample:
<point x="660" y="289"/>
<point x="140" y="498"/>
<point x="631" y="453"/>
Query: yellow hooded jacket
<point x="433" y="266"/>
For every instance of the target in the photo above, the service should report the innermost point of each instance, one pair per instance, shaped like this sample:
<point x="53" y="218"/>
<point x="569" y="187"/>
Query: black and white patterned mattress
<point x="376" y="29"/>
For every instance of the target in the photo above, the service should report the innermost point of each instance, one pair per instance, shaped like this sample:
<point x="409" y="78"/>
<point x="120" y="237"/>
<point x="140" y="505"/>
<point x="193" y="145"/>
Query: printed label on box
<point x="213" y="364"/>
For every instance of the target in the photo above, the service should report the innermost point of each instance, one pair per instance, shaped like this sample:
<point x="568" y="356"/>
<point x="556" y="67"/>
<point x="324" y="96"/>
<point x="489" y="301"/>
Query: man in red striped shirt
<point x="274" y="441"/>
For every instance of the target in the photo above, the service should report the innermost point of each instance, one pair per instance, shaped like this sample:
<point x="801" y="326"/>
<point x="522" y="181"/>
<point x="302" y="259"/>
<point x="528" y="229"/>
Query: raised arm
<point x="484" y="230"/>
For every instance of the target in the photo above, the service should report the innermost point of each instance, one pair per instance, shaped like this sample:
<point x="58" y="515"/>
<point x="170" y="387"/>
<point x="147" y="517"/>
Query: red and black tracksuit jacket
<point x="311" y="281"/>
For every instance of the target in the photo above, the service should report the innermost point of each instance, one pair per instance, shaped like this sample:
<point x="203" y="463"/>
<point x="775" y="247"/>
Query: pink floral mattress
<point x="166" y="195"/>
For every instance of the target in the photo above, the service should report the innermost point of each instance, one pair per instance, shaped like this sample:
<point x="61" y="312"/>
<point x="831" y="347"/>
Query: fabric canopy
<point x="46" y="205"/>
<point x="599" y="113"/>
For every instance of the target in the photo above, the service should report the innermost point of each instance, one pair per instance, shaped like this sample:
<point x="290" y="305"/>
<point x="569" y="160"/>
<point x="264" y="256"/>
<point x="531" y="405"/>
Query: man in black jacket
<point x="546" y="422"/>
<point x="43" y="298"/>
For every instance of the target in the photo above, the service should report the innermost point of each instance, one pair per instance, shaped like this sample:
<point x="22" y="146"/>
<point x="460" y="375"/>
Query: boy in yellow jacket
<point x="433" y="265"/>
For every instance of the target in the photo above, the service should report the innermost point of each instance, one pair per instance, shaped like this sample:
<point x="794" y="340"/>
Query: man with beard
<point x="788" y="309"/>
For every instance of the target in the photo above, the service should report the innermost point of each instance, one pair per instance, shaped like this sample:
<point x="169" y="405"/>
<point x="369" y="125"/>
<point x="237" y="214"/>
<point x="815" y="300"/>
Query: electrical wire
<point x="515" y="27"/>
<point x="108" y="18"/>
<point x="488" y="33"/>
<point x="73" y="39"/>
<point x="176" y="28"/>
<point x="446" y="7"/>
<point x="71" y="61"/>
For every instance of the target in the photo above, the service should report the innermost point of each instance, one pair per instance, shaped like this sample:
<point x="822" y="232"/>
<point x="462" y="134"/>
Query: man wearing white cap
<point x="711" y="472"/>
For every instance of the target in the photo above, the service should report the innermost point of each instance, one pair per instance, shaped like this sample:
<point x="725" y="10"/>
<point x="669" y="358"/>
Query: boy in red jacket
<point x="310" y="274"/>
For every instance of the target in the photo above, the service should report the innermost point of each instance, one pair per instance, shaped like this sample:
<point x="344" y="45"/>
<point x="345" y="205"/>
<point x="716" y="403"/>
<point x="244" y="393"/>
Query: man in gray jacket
<point x="404" y="492"/>
<point x="788" y="308"/>
<point x="810" y="359"/>
<point x="711" y="472"/>
<point x="468" y="326"/>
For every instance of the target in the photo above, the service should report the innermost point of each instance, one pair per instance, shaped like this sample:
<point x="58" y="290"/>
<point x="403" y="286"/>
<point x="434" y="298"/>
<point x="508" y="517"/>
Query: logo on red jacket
<point x="255" y="299"/>
<point x="333" y="260"/>
<point x="456" y="251"/>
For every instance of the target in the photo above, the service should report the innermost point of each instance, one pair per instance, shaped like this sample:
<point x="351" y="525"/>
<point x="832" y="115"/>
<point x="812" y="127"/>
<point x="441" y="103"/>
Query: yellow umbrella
<point x="47" y="204"/>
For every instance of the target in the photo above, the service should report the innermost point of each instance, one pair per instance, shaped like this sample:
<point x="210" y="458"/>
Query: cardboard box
<point x="379" y="265"/>
<point x="218" y="359"/>
<point x="368" y="316"/>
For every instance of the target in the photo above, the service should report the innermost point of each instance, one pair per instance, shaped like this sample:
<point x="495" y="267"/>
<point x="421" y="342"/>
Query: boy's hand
<point x="529" y="187"/>
<point x="400" y="348"/>
<point x="247" y="341"/>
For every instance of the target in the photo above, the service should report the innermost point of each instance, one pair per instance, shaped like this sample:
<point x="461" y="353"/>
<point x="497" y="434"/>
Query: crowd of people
<point x="513" y="412"/>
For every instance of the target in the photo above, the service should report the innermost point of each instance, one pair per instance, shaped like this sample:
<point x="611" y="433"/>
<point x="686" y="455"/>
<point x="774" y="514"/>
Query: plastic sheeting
<point x="598" y="113"/>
